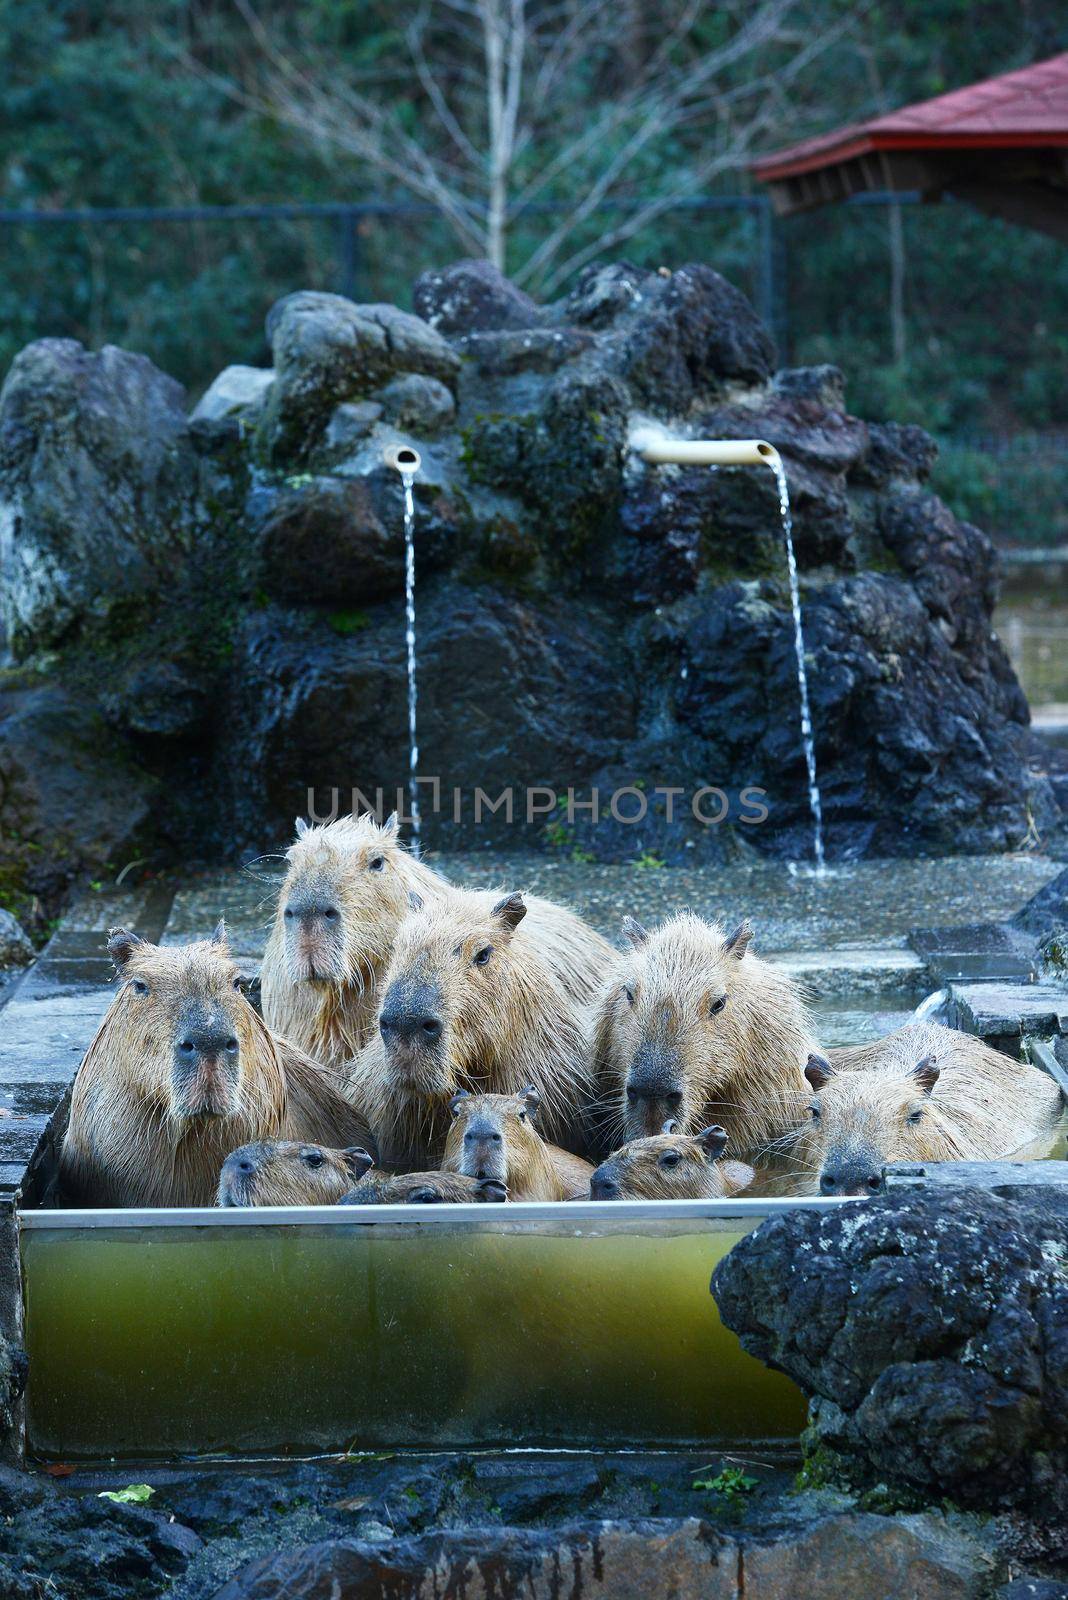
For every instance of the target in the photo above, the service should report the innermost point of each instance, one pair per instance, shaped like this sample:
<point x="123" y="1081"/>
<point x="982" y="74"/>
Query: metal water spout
<point x="658" y="450"/>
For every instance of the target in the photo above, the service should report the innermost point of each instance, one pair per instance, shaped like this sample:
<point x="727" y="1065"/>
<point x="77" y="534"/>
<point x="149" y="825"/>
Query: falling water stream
<point x="815" y="803"/>
<point x="408" y="481"/>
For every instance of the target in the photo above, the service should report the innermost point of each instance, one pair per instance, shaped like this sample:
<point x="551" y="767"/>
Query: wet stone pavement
<point x="845" y="936"/>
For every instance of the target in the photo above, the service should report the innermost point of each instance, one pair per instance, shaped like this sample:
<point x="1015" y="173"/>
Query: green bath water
<point x="157" y="1342"/>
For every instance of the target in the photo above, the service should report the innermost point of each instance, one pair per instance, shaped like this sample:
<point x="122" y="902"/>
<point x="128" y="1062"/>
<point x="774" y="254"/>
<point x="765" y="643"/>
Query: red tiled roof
<point x="1019" y="109"/>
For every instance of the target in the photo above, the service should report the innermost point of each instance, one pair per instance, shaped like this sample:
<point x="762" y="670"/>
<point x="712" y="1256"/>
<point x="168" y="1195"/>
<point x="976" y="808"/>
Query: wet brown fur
<point x="409" y="1188"/>
<point x="125" y="1146"/>
<point x="639" y="1170"/>
<point x="333" y="1019"/>
<point x="741" y="1068"/>
<point x="532" y="1169"/>
<point x="982" y="1107"/>
<point x="507" y="1025"/>
<point x="288" y="1172"/>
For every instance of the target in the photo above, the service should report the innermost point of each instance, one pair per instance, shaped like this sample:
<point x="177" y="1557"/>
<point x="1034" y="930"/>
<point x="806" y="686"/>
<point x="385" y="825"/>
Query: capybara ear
<point x="634" y="933"/>
<point x="457" y="1101"/>
<point x="391" y="824"/>
<point x="738" y="941"/>
<point x="818" y="1070"/>
<point x="302" y="827"/>
<point x="218" y="933"/>
<point x="510" y="911"/>
<point x="415" y="901"/>
<point x="670" y="1126"/>
<point x="926" y="1073"/>
<point x="122" y="944"/>
<point x="357" y="1160"/>
<point x="713" y="1141"/>
<point x="491" y="1189"/>
<point x="529" y="1098"/>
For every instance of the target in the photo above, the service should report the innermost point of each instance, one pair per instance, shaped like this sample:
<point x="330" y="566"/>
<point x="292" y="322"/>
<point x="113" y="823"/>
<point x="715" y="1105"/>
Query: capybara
<point x="495" y="1136"/>
<point x="345" y="894"/>
<point x="423" y="1189"/>
<point x="181" y="1072"/>
<point x="694" y="1027"/>
<point x="289" y="1172"/>
<point x="670" y="1165"/>
<point x="924" y="1093"/>
<point x="472" y="1000"/>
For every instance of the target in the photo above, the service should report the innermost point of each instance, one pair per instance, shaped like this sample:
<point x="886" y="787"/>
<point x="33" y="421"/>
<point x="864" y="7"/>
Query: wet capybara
<point x="290" y="1172"/>
<point x="924" y="1093"/>
<point x="670" y="1165"/>
<point x="181" y="1072"/>
<point x="471" y="1001"/>
<point x="495" y="1136"/>
<point x="694" y="1027"/>
<point x="424" y="1189"/>
<point x="345" y="894"/>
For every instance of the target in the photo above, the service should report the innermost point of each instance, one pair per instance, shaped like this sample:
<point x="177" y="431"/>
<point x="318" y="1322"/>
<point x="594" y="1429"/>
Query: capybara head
<point x="679" y="1011"/>
<point x="446" y="993"/>
<point x="671" y="1165"/>
<point x="185" y="1027"/>
<point x="424" y="1189"/>
<point x="342" y="899"/>
<point x="493" y="1135"/>
<point x="858" y="1122"/>
<point x="288" y="1172"/>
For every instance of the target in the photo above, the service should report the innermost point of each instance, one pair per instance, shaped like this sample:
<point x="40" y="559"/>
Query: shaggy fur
<point x="424" y="1189"/>
<point x="506" y="1024"/>
<point x="128" y="1142"/>
<point x="671" y="1166"/>
<point x="966" y="1102"/>
<point x="286" y="1172"/>
<point x="739" y="1065"/>
<point x="494" y="1136"/>
<point x="322" y="978"/>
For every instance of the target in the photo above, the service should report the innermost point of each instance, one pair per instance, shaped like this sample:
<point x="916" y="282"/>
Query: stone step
<point x="843" y="971"/>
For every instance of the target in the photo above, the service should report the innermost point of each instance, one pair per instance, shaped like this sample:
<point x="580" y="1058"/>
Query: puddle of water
<point x="1032" y="623"/>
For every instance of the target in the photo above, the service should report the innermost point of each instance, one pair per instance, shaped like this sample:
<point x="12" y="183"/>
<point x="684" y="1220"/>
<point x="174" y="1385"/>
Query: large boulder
<point x="96" y="473"/>
<point x="931" y="1334"/>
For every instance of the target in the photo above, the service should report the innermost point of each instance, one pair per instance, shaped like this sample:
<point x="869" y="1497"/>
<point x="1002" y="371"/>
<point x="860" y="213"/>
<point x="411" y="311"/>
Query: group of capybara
<point x="425" y="1043"/>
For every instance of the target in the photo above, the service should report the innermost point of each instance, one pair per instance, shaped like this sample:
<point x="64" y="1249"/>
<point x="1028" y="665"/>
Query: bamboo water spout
<point x="659" y="450"/>
<point x="403" y="459"/>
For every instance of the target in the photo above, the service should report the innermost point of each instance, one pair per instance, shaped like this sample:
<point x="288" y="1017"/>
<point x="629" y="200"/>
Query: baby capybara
<point x="181" y="1072"/>
<point x="346" y="892"/>
<point x="495" y="1136"/>
<point x="924" y="1093"/>
<point x="471" y="1001"/>
<point x="290" y="1172"/>
<point x="424" y="1189"/>
<point x="670" y="1165"/>
<point x="694" y="1027"/>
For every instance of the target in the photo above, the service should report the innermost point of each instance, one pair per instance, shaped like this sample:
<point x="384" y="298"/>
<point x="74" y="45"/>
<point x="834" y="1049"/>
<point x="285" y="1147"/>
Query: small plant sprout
<point x="731" y="1483"/>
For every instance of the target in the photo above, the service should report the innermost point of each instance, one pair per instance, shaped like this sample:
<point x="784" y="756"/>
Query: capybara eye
<point x="312" y="1158"/>
<point x="289" y="914"/>
<point x="483" y="955"/>
<point x="670" y="1158"/>
<point x="376" y="863"/>
<point x="717" y="1006"/>
<point x="915" y="1116"/>
<point x="814" y="1113"/>
<point x="629" y="994"/>
<point x="237" y="983"/>
<point x="522" y="1116"/>
<point x="139" y="987"/>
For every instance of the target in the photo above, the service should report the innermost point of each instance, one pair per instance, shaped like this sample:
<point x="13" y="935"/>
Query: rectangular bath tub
<point x="157" y="1335"/>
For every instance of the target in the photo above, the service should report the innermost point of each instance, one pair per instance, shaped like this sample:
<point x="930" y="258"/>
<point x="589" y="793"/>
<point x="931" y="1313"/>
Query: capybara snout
<point x="655" y="1088"/>
<point x="289" y="1172"/>
<point x="671" y="1165"/>
<point x="207" y="1062"/>
<point x="411" y="1021"/>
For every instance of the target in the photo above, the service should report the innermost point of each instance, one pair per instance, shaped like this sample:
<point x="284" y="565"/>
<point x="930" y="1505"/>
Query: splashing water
<point x="408" y="481"/>
<point x="814" y="801"/>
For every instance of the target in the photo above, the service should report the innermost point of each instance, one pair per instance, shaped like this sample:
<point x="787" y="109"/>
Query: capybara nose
<point x="311" y="910"/>
<point x="197" y="1043"/>
<point x="474" y="1137"/>
<point x="244" y="1164"/>
<point x="603" y="1188"/>
<point x="850" y="1181"/>
<point x="409" y="1025"/>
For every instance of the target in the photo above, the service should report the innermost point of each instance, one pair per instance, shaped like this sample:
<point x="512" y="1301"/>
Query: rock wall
<point x="204" y="613"/>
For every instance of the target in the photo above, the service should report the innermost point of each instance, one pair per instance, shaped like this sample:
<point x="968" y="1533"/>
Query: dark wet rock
<point x="96" y="472"/>
<point x="425" y="405"/>
<point x="931" y="1334"/>
<point x="896" y="452"/>
<point x="15" y="945"/>
<point x="328" y="350"/>
<point x="235" y="391"/>
<point x="507" y="353"/>
<point x="824" y="384"/>
<point x="92" y="1549"/>
<point x="157" y="699"/>
<point x="473" y="297"/>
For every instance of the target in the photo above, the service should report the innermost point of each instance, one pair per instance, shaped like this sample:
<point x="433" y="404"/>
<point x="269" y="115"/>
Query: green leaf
<point x="134" y="1494"/>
